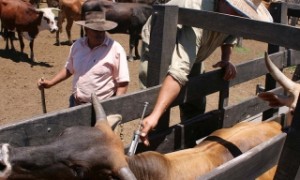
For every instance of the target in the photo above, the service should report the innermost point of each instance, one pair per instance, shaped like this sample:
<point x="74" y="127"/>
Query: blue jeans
<point x="72" y="101"/>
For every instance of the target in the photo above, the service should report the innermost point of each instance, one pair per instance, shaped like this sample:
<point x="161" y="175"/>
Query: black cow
<point x="130" y="18"/>
<point x="80" y="152"/>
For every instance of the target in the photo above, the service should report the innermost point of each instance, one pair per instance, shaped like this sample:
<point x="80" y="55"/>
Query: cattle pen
<point x="283" y="48"/>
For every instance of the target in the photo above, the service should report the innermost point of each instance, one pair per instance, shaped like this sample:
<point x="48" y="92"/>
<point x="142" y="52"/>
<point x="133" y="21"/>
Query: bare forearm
<point x="60" y="76"/>
<point x="169" y="91"/>
<point x="122" y="88"/>
<point x="226" y="52"/>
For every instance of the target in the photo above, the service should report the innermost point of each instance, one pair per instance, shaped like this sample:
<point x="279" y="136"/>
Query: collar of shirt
<point x="104" y="43"/>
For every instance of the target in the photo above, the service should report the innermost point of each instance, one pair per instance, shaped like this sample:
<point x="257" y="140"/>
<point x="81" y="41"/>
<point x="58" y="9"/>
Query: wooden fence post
<point x="289" y="162"/>
<point x="162" y="43"/>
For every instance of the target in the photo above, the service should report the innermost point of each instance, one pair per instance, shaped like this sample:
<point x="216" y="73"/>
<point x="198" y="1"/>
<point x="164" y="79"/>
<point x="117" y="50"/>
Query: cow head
<point x="291" y="87"/>
<point x="78" y="153"/>
<point x="48" y="20"/>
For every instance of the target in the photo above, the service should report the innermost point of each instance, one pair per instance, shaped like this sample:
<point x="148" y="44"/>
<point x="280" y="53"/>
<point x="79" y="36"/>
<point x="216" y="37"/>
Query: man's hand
<point x="230" y="70"/>
<point x="43" y="83"/>
<point x="148" y="124"/>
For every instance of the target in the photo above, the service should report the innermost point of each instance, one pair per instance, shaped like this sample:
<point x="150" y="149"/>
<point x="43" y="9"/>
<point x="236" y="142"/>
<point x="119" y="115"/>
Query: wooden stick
<point x="43" y="98"/>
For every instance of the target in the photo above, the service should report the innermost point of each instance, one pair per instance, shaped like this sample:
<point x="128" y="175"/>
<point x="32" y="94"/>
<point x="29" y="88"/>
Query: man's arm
<point x="122" y="88"/>
<point x="230" y="70"/>
<point x="60" y="76"/>
<point x="168" y="92"/>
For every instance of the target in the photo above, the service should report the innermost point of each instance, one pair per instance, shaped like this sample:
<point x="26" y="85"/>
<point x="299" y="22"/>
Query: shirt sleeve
<point x="122" y="72"/>
<point x="69" y="64"/>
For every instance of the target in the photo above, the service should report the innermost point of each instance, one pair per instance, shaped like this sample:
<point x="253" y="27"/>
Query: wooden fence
<point x="42" y="129"/>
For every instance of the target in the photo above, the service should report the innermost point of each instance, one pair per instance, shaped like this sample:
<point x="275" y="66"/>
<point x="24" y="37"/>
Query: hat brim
<point x="244" y="8"/>
<point x="99" y="26"/>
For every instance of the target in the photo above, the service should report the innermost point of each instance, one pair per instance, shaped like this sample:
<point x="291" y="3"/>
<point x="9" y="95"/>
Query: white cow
<point x="23" y="17"/>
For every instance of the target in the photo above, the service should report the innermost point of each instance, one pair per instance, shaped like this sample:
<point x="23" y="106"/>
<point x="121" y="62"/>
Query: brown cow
<point x="97" y="153"/>
<point x="26" y="20"/>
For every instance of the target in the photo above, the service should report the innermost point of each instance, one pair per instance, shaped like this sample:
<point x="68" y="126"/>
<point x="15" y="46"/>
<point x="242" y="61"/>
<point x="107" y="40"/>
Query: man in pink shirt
<point x="97" y="62"/>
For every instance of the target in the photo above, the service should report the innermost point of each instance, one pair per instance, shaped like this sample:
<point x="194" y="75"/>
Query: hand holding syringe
<point x="136" y="135"/>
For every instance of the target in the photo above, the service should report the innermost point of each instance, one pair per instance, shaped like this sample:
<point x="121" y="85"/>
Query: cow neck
<point x="233" y="149"/>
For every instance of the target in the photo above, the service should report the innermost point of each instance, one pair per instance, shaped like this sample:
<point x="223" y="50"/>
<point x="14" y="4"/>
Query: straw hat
<point x="96" y="20"/>
<point x="253" y="9"/>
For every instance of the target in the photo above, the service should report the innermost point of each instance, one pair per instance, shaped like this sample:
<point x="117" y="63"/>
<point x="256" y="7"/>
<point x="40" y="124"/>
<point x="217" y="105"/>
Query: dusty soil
<point x="21" y="99"/>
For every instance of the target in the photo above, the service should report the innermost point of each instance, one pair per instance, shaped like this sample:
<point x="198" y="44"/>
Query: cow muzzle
<point x="53" y="30"/>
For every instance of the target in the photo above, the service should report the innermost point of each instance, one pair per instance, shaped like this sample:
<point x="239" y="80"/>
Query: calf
<point x="98" y="153"/>
<point x="21" y="16"/>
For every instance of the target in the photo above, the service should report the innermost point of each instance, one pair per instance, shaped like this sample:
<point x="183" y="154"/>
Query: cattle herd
<point x="96" y="152"/>
<point x="23" y="17"/>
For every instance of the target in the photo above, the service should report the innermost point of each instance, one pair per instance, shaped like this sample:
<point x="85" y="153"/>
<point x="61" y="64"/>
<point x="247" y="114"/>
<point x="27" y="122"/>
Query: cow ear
<point x="114" y="120"/>
<point x="54" y="9"/>
<point x="274" y="99"/>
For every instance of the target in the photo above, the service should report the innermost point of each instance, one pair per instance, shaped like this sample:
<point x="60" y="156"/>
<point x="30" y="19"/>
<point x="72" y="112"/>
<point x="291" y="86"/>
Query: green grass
<point x="241" y="50"/>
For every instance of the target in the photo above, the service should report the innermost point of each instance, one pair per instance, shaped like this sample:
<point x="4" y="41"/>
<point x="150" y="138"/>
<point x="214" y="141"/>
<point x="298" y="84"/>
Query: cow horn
<point x="285" y="82"/>
<point x="99" y="111"/>
<point x="55" y="9"/>
<point x="126" y="174"/>
<point x="290" y="86"/>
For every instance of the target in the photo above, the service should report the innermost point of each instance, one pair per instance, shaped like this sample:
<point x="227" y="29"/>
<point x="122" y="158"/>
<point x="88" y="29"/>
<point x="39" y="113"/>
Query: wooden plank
<point x="293" y="9"/>
<point x="250" y="70"/>
<point x="240" y="26"/>
<point x="246" y="109"/>
<point x="183" y="135"/>
<point x="255" y="68"/>
<point x="42" y="129"/>
<point x="131" y="105"/>
<point x="252" y="163"/>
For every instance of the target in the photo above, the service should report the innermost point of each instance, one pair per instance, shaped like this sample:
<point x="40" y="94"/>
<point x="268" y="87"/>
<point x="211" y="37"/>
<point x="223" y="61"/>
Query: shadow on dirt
<point x="21" y="57"/>
<point x="64" y="43"/>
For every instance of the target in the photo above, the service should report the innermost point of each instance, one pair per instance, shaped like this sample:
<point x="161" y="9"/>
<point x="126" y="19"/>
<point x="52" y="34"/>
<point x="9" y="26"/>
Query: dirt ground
<point x="21" y="99"/>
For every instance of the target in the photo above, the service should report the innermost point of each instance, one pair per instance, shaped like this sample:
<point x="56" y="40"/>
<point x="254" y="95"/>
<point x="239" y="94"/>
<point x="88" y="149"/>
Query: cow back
<point x="19" y="14"/>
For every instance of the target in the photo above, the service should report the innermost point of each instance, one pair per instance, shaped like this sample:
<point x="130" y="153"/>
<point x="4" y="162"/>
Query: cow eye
<point x="47" y="19"/>
<point x="78" y="170"/>
<point x="2" y="166"/>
